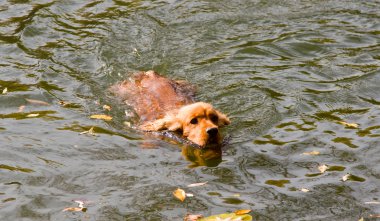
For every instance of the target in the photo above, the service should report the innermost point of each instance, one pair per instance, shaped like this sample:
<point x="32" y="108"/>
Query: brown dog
<point x="164" y="104"/>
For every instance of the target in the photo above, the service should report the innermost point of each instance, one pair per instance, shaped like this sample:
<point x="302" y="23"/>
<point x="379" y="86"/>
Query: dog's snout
<point x="212" y="131"/>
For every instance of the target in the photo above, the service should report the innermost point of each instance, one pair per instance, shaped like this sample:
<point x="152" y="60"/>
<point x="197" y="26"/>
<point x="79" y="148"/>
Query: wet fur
<point x="165" y="104"/>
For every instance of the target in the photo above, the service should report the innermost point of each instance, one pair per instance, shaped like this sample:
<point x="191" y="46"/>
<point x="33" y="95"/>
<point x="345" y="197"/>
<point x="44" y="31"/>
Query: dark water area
<point x="300" y="81"/>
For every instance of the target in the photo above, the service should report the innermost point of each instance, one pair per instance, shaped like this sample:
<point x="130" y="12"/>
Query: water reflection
<point x="210" y="157"/>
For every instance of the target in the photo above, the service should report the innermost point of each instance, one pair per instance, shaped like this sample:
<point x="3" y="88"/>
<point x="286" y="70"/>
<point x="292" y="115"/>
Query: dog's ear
<point x="170" y="123"/>
<point x="222" y="119"/>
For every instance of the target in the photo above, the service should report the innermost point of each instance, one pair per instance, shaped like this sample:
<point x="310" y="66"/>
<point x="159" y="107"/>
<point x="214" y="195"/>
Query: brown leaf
<point x="180" y="194"/>
<point x="75" y="209"/>
<point x="190" y="217"/>
<point x="196" y="184"/>
<point x="101" y="116"/>
<point x="242" y="211"/>
<point x="37" y="102"/>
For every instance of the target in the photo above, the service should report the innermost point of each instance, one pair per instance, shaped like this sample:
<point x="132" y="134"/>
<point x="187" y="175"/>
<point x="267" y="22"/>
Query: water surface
<point x="300" y="81"/>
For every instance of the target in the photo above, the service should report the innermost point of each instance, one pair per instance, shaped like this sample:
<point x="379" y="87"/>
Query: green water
<point x="295" y="77"/>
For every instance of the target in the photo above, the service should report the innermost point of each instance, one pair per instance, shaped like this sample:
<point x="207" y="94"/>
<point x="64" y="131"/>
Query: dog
<point x="165" y="104"/>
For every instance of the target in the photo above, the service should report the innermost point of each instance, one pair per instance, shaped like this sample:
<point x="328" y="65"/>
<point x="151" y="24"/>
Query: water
<point x="294" y="77"/>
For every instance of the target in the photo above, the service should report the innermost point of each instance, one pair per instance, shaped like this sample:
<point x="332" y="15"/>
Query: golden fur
<point x="164" y="104"/>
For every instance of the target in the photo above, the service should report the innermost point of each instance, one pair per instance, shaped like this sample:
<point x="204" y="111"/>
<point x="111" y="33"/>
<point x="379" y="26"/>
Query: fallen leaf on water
<point x="374" y="202"/>
<point x="322" y="168"/>
<point x="32" y="115"/>
<point x="190" y="217"/>
<point x="80" y="203"/>
<point x="180" y="194"/>
<point x="21" y="108"/>
<point x="5" y="90"/>
<point x="106" y="107"/>
<point x="227" y="217"/>
<point x="305" y="190"/>
<point x="242" y="211"/>
<point x="101" y="116"/>
<point x="311" y="153"/>
<point x="345" y="177"/>
<point x="90" y="131"/>
<point x="196" y="184"/>
<point x="351" y="125"/>
<point x="63" y="103"/>
<point x="37" y="102"/>
<point x="72" y="209"/>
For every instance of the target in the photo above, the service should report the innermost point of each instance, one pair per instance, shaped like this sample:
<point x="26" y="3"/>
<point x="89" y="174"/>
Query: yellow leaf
<point x="101" y="116"/>
<point x="75" y="209"/>
<point x="311" y="153"/>
<point x="196" y="184"/>
<point x="323" y="168"/>
<point x="180" y="194"/>
<point x="242" y="211"/>
<point x="106" y="107"/>
<point x="227" y="216"/>
<point x="32" y="115"/>
<point x="351" y="125"/>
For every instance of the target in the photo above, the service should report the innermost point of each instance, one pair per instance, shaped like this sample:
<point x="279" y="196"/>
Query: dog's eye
<point x="194" y="121"/>
<point x="214" y="118"/>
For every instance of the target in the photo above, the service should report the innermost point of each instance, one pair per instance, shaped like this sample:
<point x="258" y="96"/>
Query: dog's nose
<point x="212" y="131"/>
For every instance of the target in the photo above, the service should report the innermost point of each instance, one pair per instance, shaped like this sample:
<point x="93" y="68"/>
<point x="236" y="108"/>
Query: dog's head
<point x="199" y="123"/>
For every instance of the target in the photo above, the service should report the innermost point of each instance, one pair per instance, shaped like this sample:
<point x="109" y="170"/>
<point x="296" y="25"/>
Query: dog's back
<point x="152" y="96"/>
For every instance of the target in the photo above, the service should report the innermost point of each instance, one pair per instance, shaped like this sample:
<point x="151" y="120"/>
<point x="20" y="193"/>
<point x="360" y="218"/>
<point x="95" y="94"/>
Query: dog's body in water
<point x="165" y="104"/>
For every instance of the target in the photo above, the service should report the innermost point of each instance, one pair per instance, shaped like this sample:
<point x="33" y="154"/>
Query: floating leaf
<point x="190" y="217"/>
<point x="37" y="102"/>
<point x="322" y="168"/>
<point x="90" y="131"/>
<point x="227" y="217"/>
<point x="350" y="125"/>
<point x="305" y="190"/>
<point x="196" y="184"/>
<point x="242" y="211"/>
<point x="375" y="202"/>
<point x="106" y="107"/>
<point x="32" y="115"/>
<point x="80" y="203"/>
<point x="5" y="90"/>
<point x="180" y="194"/>
<point x="345" y="177"/>
<point x="21" y="108"/>
<point x="311" y="153"/>
<point x="75" y="209"/>
<point x="101" y="117"/>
